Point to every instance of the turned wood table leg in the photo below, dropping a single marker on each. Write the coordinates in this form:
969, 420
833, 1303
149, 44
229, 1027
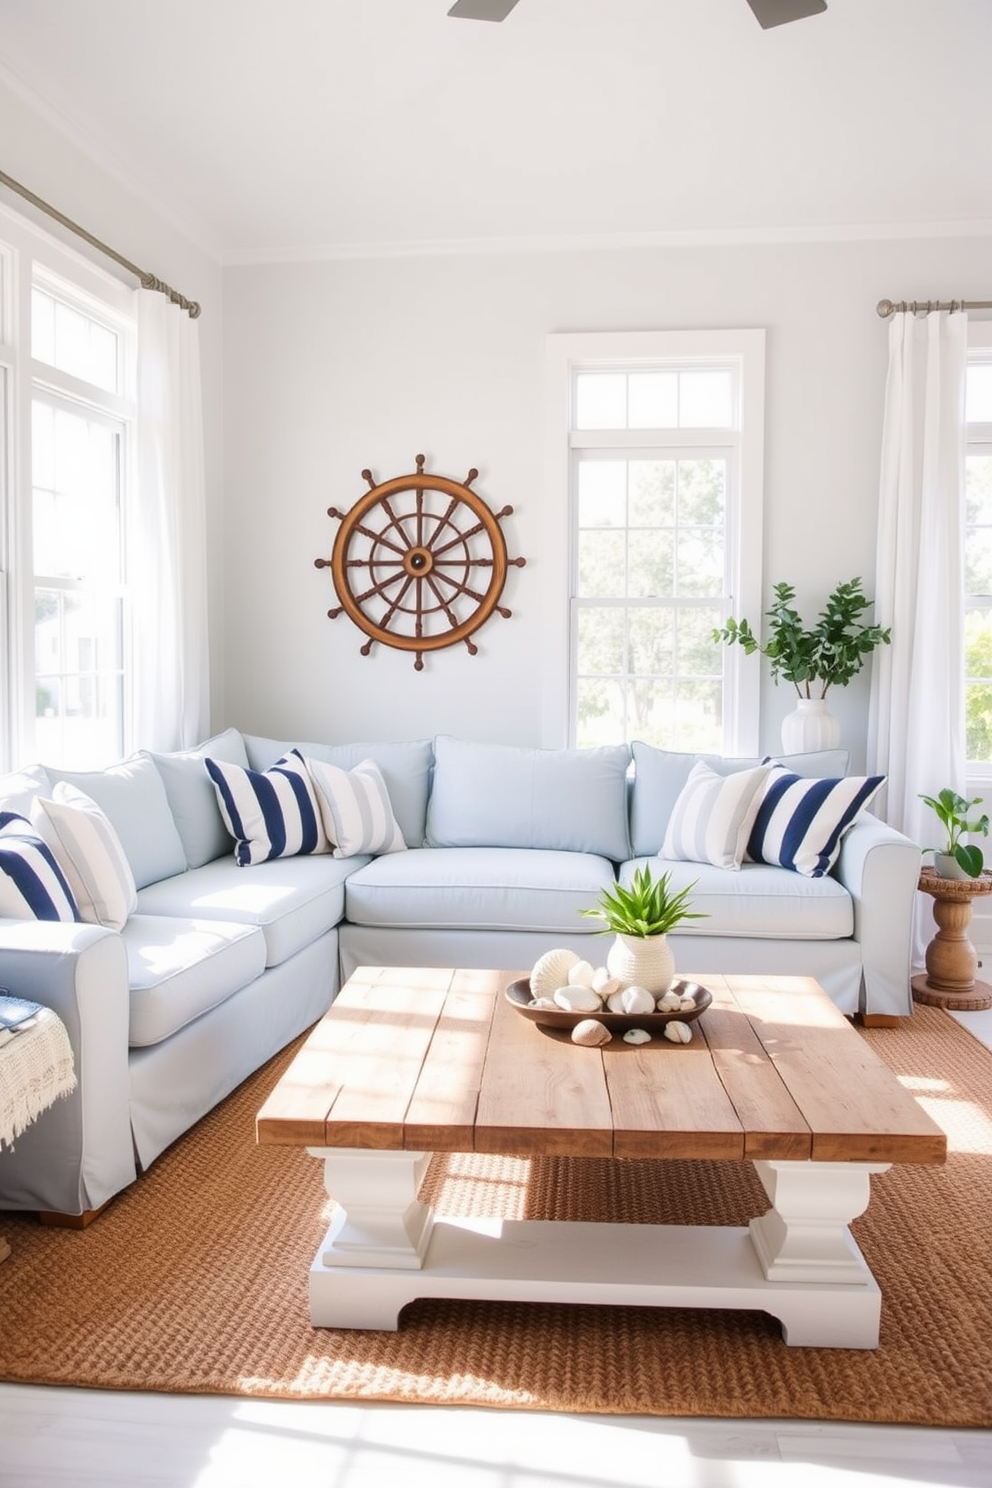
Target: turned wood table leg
951, 959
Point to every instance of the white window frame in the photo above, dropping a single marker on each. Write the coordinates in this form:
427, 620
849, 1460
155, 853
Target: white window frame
32, 256
570, 352
978, 437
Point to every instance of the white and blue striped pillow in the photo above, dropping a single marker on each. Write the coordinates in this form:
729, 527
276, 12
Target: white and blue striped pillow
358, 815
90, 853
712, 817
270, 813
32, 885
801, 823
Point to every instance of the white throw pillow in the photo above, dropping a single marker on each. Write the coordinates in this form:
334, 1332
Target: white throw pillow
269, 813
355, 806
713, 815
32, 885
801, 823
90, 854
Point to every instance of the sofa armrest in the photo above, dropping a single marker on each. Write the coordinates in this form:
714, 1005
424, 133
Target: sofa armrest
880, 868
79, 1152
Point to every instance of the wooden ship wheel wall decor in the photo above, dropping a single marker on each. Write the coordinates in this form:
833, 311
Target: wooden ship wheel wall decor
419, 562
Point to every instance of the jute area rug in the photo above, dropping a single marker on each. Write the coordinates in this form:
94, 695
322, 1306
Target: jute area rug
195, 1280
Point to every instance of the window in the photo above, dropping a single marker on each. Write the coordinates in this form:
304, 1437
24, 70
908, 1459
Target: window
67, 356
978, 552
662, 465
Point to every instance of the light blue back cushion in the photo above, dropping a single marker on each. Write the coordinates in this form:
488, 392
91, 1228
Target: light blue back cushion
133, 796
405, 765
21, 787
660, 774
192, 797
499, 795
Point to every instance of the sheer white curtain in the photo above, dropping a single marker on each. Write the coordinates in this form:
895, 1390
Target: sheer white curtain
916, 718
168, 552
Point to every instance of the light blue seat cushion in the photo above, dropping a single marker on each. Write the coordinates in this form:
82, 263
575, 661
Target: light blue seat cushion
501, 795
758, 902
405, 766
192, 797
132, 795
178, 969
660, 774
479, 888
293, 901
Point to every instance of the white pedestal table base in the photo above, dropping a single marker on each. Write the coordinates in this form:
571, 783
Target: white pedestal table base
798, 1262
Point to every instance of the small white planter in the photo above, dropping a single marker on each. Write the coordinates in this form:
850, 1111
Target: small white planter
810, 725
642, 961
946, 865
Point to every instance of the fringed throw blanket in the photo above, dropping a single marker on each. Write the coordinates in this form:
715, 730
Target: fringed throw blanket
36, 1067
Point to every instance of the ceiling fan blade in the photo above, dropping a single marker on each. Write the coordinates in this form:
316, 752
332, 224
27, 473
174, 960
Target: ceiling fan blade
778, 12
482, 10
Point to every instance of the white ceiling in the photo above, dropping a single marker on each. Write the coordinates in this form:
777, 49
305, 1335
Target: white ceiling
277, 129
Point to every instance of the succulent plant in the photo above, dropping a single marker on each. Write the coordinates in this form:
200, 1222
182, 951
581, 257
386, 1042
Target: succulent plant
648, 907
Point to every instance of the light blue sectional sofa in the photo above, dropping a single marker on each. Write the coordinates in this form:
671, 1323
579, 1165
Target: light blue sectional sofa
219, 966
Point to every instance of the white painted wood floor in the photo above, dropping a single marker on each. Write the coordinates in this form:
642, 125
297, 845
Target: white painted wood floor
71, 1438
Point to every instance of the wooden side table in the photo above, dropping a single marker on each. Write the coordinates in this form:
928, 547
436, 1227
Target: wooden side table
951, 961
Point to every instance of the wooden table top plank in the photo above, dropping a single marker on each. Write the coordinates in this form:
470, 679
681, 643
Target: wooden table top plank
442, 1111
668, 1102
385, 1060
773, 1125
854, 1105
297, 1109
540, 1094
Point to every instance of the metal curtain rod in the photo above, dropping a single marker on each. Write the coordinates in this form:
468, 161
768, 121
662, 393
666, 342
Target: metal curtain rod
148, 281
885, 308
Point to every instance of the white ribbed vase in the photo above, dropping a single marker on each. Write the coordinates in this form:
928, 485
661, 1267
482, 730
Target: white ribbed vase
810, 726
642, 961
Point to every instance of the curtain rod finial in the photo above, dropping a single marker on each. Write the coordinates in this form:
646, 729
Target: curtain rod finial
885, 308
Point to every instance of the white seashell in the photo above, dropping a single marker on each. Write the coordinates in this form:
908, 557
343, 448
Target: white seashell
545, 1002
591, 1033
679, 1033
631, 1000
637, 1036
686, 1004
669, 1002
551, 971
603, 983
578, 999
580, 975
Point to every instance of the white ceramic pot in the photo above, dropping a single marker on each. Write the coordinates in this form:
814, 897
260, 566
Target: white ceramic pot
946, 865
810, 725
642, 961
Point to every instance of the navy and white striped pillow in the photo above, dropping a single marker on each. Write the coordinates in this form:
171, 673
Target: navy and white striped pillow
801, 823
32, 885
270, 813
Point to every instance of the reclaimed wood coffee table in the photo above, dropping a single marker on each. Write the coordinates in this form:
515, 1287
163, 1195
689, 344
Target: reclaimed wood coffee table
408, 1062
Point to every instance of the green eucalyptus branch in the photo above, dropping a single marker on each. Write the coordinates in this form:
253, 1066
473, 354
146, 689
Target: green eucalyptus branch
828, 654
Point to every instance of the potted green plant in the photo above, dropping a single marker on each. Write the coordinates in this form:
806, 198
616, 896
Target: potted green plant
640, 918
813, 658
957, 859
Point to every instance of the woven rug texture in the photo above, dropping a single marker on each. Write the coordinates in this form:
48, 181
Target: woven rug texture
195, 1280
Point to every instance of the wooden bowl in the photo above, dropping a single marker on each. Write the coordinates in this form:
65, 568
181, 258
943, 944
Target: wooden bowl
519, 995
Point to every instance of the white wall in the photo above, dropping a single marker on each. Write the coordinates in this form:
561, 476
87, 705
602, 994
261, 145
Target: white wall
39, 156
336, 366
